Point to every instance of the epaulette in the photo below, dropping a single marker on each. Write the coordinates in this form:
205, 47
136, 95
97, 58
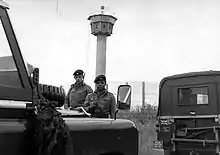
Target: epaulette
86, 85
111, 94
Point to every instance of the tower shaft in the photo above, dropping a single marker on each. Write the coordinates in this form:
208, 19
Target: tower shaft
101, 55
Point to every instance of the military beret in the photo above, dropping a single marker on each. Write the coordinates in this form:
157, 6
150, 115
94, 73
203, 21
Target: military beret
78, 72
100, 78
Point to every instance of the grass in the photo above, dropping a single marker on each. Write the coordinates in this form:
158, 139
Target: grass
144, 119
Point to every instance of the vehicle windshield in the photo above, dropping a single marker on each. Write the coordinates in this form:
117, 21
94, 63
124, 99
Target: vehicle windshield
8, 71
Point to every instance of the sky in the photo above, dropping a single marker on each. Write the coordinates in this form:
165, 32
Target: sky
151, 38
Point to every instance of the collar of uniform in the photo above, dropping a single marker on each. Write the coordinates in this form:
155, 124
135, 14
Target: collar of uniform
78, 85
100, 93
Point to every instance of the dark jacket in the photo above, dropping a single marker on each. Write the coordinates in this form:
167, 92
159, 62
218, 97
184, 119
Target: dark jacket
100, 104
77, 94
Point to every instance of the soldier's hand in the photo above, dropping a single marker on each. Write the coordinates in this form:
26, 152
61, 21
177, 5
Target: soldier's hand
66, 106
92, 104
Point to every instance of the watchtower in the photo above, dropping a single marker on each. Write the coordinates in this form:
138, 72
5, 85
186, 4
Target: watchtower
101, 26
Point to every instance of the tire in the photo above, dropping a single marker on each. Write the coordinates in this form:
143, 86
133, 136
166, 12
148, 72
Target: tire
53, 93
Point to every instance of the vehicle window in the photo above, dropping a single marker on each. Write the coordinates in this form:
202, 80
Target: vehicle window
8, 70
193, 96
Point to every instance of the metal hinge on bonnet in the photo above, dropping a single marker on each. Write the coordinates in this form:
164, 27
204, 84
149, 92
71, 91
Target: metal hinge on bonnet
217, 119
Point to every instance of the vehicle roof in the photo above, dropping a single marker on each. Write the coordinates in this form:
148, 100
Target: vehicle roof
8, 62
189, 74
4, 4
185, 75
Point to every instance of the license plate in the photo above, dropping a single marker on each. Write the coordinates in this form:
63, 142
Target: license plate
157, 145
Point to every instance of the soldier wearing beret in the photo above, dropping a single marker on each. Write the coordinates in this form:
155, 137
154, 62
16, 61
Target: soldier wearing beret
78, 91
101, 103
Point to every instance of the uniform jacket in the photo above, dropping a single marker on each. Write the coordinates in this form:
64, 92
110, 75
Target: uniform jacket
77, 94
100, 105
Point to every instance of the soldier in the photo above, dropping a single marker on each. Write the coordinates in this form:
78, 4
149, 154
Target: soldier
186, 96
78, 91
101, 103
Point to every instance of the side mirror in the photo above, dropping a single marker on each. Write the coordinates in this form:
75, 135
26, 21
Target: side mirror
124, 97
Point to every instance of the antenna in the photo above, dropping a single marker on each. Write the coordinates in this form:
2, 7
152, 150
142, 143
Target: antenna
87, 49
102, 9
57, 8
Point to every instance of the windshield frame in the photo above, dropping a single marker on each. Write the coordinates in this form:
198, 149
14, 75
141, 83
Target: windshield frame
10, 93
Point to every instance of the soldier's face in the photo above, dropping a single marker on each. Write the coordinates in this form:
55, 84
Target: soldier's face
78, 78
100, 85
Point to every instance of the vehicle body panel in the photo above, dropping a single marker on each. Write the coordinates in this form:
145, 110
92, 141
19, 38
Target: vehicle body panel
90, 136
187, 127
